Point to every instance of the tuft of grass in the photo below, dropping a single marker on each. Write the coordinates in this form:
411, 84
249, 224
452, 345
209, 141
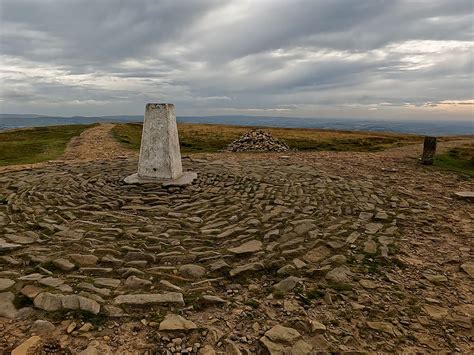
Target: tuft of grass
315, 293
341, 287
196, 138
278, 294
252, 303
459, 159
34, 145
96, 320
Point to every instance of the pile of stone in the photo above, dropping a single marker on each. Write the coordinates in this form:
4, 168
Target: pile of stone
257, 140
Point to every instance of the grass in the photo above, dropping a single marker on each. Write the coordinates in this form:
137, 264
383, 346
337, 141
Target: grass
212, 138
459, 159
96, 320
341, 286
34, 145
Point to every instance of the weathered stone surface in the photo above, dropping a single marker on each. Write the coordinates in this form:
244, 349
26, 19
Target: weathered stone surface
317, 327
207, 350
382, 327
339, 274
19, 239
63, 264
113, 311
7, 309
370, 247
251, 246
88, 305
318, 254
465, 194
84, 260
368, 284
107, 282
303, 228
5, 284
136, 282
70, 302
209, 299
435, 278
435, 312
282, 340
219, 265
281, 334
246, 268
31, 277
51, 281
176, 322
468, 268
287, 284
42, 327
31, 291
27, 346
170, 286
48, 301
5, 246
90, 350
151, 298
192, 271
373, 228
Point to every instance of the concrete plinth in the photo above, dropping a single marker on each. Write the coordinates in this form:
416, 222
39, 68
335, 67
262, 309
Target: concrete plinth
186, 178
160, 157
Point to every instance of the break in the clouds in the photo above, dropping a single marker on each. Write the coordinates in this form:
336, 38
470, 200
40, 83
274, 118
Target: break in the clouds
312, 58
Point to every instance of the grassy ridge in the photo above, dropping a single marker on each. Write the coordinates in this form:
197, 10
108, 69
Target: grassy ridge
212, 138
459, 159
33, 145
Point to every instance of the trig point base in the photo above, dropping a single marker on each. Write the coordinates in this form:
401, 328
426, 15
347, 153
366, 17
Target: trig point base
160, 157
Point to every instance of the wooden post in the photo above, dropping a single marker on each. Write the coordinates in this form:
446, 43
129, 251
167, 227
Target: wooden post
429, 150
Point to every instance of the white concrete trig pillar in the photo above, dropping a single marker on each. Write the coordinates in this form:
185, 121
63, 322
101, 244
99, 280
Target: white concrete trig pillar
160, 156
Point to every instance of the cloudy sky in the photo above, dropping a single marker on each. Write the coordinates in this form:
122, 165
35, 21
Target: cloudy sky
308, 58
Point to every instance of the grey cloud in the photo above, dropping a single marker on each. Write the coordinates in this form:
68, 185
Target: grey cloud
216, 54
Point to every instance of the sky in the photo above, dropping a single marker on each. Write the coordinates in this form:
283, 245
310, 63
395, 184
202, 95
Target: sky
383, 59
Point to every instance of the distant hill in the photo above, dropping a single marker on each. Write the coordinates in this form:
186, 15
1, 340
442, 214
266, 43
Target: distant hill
8, 121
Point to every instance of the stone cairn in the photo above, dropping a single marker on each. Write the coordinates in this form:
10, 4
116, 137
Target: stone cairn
257, 140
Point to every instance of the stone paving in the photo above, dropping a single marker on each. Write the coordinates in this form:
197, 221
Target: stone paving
264, 253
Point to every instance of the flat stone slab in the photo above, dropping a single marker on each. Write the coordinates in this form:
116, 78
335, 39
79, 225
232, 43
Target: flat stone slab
249, 247
150, 298
6, 283
186, 178
7, 309
465, 194
5, 246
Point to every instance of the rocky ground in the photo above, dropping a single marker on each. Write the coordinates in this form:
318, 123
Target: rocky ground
264, 253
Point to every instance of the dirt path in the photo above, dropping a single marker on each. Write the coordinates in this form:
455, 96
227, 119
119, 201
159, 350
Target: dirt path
96, 143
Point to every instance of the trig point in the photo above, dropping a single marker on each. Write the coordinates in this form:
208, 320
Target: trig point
160, 157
